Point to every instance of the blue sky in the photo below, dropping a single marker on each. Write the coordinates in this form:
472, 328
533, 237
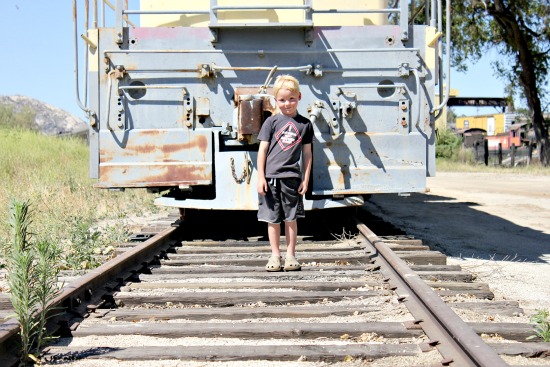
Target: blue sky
37, 47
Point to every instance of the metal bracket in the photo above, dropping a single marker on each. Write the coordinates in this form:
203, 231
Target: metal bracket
348, 104
205, 71
308, 35
318, 111
315, 70
404, 70
404, 115
215, 35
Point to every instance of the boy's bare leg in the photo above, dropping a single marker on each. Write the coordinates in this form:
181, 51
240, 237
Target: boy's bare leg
274, 234
291, 233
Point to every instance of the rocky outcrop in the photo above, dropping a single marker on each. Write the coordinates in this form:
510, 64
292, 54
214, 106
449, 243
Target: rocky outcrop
49, 120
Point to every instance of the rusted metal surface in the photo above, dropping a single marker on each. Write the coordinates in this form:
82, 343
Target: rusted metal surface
150, 158
250, 116
253, 108
155, 175
456, 341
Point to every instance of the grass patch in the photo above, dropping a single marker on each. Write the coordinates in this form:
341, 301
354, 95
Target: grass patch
52, 175
452, 165
541, 321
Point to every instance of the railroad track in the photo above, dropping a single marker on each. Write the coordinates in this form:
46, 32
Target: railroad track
204, 295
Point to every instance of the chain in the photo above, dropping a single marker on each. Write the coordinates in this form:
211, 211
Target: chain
247, 170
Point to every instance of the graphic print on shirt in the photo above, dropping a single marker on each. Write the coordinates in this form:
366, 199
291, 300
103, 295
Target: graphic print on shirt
288, 136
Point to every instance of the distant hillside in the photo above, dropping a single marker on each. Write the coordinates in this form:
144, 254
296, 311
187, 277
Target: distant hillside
49, 120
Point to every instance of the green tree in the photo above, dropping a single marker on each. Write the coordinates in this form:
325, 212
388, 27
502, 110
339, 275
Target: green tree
451, 116
520, 31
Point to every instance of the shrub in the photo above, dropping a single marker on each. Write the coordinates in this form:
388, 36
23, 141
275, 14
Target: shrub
32, 278
447, 145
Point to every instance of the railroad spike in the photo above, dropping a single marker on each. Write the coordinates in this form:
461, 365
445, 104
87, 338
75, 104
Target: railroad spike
425, 347
412, 325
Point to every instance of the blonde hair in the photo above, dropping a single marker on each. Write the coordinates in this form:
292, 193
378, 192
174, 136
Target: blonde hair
287, 82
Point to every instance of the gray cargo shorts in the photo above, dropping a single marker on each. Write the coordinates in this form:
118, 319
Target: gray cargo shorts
282, 201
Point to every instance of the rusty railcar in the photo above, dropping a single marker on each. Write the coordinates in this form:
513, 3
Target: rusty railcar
176, 92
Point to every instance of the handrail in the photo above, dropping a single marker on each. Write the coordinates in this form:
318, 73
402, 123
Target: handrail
108, 99
214, 8
402, 10
91, 114
166, 12
444, 101
418, 92
121, 13
329, 50
356, 11
106, 2
260, 7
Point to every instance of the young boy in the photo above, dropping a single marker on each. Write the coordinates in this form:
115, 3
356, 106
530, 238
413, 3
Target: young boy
284, 138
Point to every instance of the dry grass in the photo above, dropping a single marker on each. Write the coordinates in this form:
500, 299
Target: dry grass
52, 173
444, 165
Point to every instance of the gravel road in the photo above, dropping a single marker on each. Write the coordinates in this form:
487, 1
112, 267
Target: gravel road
495, 225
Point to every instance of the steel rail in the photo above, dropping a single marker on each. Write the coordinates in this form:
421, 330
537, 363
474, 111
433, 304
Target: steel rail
83, 290
454, 339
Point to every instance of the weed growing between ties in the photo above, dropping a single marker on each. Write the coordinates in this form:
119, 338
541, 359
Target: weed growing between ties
541, 321
32, 279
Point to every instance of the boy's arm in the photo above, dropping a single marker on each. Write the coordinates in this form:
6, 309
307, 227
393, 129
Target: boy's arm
262, 154
306, 160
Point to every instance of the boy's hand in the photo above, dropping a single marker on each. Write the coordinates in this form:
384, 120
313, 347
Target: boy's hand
262, 186
302, 188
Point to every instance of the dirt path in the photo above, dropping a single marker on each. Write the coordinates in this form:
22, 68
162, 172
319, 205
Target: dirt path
495, 225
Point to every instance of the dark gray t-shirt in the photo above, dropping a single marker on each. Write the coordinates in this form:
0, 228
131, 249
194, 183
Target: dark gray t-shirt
285, 135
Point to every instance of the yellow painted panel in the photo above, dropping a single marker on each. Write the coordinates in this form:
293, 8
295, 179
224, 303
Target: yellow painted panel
353, 19
430, 50
93, 54
260, 16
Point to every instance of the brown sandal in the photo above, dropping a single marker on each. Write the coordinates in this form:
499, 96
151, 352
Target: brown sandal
274, 263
